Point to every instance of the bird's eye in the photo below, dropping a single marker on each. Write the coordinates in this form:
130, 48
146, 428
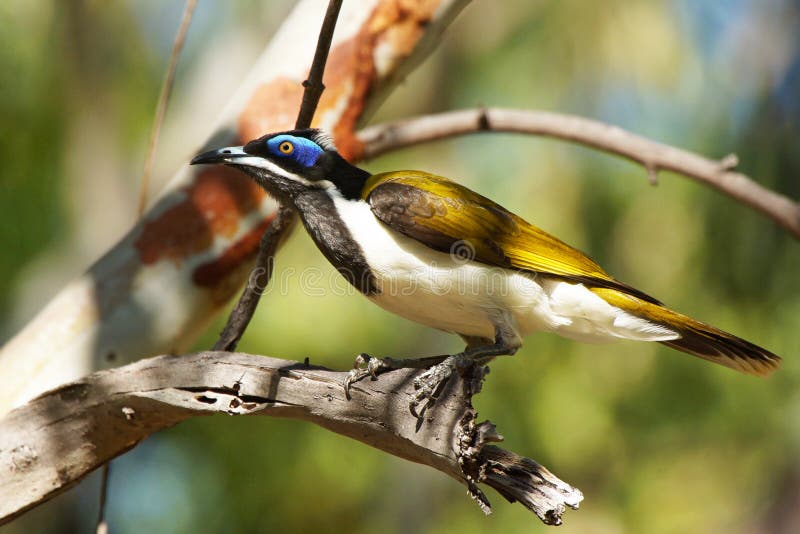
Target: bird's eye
286, 148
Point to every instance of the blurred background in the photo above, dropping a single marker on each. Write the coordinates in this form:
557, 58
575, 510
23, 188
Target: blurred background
656, 440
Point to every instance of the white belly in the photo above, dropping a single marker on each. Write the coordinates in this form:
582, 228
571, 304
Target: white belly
463, 297
466, 297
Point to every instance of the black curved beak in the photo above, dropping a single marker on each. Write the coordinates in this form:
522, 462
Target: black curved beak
221, 155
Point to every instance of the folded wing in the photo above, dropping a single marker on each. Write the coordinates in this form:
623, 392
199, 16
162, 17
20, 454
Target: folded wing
449, 217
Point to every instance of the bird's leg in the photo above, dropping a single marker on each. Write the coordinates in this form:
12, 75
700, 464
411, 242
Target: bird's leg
478, 352
474, 342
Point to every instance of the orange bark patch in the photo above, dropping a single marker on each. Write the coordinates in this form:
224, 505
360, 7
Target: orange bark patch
215, 201
272, 108
221, 272
351, 71
349, 75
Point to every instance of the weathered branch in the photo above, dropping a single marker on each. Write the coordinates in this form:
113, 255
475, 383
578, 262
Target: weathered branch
53, 441
654, 156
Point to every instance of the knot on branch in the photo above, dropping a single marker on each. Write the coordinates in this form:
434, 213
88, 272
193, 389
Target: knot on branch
483, 120
652, 172
729, 162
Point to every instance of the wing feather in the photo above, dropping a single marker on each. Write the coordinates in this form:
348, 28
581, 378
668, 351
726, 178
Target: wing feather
443, 214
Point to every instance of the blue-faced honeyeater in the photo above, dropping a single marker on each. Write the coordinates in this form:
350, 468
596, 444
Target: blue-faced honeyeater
435, 252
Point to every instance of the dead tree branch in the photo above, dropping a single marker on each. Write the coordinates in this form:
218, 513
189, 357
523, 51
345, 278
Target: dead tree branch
53, 441
654, 156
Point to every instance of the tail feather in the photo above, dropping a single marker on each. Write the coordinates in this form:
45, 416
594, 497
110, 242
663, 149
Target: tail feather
723, 348
696, 338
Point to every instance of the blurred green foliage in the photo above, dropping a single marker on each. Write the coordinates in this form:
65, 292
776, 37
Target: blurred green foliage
658, 442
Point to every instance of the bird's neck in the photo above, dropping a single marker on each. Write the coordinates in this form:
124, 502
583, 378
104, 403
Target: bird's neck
321, 216
348, 178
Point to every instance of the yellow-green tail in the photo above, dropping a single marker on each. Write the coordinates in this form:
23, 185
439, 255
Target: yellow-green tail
698, 338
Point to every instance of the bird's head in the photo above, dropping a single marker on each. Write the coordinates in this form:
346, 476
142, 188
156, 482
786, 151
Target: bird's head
287, 164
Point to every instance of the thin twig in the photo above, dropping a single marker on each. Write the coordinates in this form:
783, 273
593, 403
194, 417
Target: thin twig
102, 524
163, 99
285, 219
654, 156
278, 231
313, 84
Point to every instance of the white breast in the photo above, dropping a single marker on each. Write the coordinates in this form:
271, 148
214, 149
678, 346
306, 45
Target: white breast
466, 297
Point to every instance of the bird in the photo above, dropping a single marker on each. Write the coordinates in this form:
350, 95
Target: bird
437, 253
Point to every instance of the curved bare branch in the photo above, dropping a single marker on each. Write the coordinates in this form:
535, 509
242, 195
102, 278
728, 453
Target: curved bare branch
53, 441
654, 156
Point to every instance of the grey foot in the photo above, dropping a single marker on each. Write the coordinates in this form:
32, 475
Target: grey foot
438, 369
429, 383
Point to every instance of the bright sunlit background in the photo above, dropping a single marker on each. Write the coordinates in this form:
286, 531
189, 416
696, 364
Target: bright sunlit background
657, 441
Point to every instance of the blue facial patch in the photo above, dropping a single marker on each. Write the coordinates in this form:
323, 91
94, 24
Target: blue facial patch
304, 151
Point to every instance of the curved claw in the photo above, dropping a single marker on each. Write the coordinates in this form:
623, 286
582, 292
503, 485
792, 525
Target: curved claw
363, 366
355, 374
415, 403
352, 377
